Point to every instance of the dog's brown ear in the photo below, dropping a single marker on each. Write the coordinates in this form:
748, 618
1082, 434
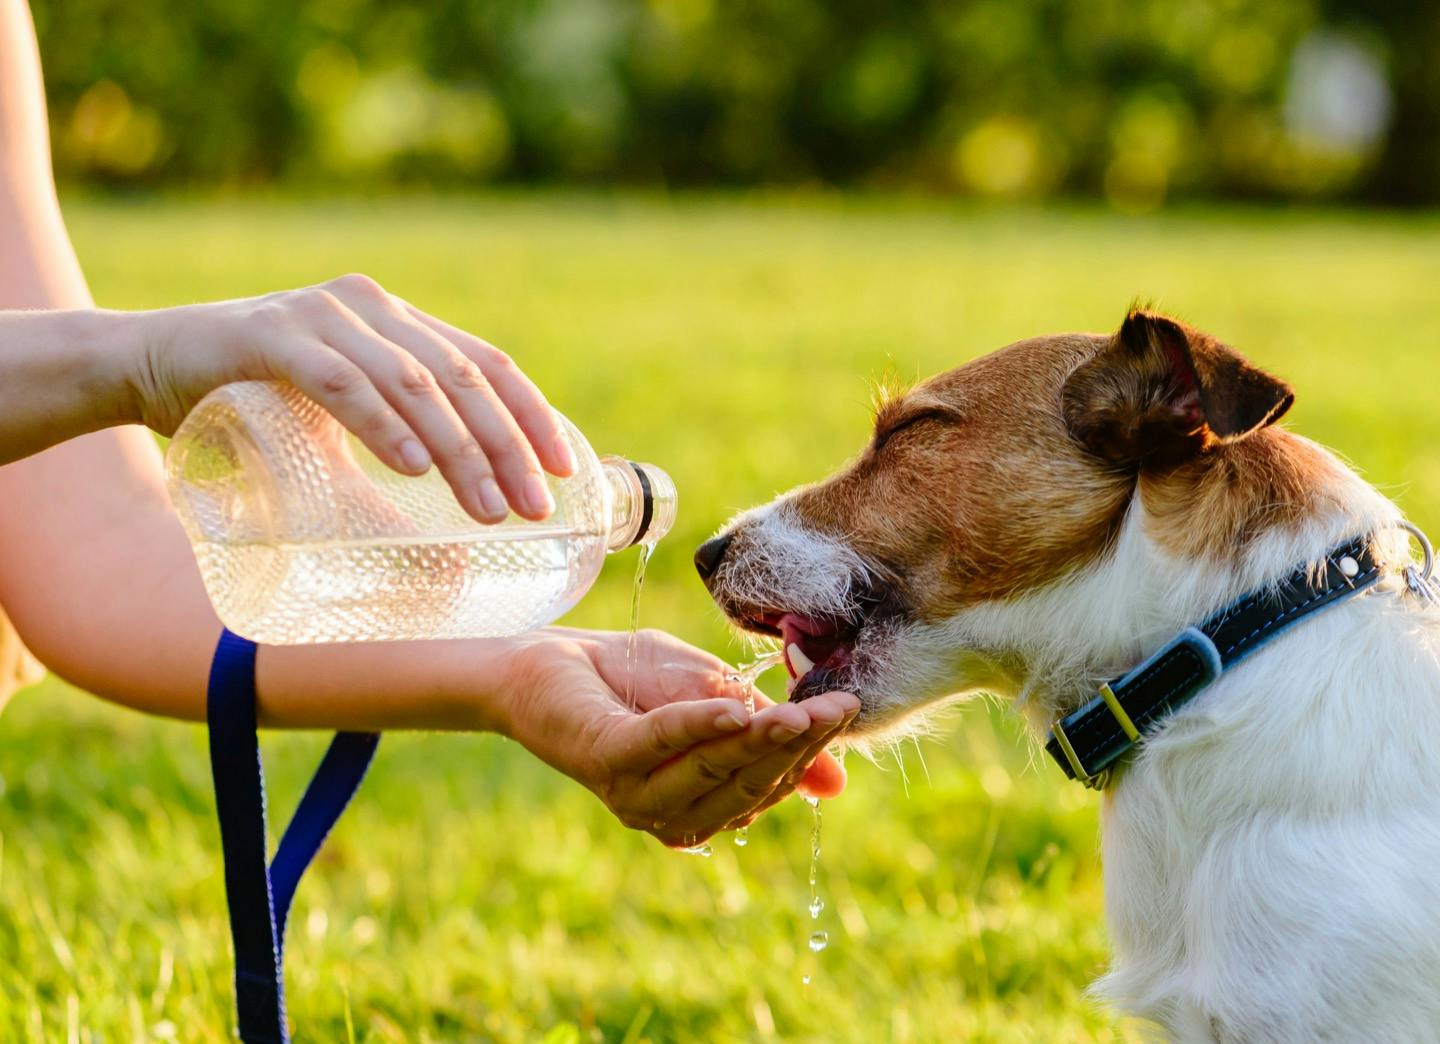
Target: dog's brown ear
1161, 391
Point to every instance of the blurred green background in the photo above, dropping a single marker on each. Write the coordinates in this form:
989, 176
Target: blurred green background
1134, 100
705, 230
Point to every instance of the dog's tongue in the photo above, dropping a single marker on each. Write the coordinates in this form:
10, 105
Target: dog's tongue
816, 638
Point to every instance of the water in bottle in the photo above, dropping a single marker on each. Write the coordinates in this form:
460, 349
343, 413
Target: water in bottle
304, 536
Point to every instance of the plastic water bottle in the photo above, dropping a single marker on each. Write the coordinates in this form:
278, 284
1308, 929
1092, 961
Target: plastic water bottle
303, 535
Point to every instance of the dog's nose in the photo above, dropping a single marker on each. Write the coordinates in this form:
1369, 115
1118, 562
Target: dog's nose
708, 555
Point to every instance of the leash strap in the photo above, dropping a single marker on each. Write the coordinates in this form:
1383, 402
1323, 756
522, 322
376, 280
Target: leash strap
259, 895
1088, 742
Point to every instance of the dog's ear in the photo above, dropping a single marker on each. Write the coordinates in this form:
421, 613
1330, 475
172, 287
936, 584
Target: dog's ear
1160, 392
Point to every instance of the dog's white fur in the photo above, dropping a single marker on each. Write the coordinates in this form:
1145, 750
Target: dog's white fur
1272, 854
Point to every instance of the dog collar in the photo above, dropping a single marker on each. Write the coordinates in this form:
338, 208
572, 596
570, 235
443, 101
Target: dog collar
1087, 743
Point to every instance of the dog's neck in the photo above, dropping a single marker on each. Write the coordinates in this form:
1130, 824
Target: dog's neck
1193, 540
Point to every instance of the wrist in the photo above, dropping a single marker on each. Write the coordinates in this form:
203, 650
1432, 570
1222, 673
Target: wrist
473, 685
138, 340
96, 347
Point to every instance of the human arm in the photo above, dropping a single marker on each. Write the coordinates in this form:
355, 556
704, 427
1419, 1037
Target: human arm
413, 388
385, 369
98, 577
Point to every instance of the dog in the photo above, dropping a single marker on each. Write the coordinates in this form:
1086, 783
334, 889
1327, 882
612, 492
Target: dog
1043, 519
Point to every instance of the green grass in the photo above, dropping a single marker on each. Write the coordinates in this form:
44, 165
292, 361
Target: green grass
473, 894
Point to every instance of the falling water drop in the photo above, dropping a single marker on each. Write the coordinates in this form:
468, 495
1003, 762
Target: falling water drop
703, 851
818, 939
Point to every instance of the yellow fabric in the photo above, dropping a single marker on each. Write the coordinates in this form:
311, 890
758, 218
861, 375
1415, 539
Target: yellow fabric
17, 667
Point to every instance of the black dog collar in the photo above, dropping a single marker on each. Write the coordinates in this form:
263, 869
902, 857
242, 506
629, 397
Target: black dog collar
1088, 742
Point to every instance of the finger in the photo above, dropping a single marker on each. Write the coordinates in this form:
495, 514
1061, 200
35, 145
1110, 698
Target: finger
825, 778
525, 402
674, 787
769, 779
660, 735
748, 793
345, 391
411, 392
446, 374
818, 763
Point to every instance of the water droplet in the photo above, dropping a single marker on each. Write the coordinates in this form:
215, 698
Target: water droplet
806, 980
817, 906
704, 851
742, 837
818, 941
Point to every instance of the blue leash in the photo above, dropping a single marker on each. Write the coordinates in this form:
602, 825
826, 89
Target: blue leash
259, 895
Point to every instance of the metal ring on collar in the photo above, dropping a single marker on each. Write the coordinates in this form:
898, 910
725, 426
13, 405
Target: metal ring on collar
1425, 547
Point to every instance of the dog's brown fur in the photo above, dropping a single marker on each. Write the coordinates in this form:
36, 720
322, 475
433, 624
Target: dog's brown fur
1014, 469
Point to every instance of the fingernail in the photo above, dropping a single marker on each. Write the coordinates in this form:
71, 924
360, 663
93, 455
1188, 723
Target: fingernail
564, 454
415, 456
782, 731
729, 722
537, 496
491, 499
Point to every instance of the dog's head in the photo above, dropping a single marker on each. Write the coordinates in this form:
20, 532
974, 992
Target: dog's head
978, 486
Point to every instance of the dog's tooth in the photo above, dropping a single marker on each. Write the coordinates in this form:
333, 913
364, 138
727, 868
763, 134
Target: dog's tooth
798, 660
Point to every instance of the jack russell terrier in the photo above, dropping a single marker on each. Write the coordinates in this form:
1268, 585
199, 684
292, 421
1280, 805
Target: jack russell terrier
1210, 619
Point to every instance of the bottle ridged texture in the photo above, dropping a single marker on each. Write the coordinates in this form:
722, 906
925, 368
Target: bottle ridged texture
302, 536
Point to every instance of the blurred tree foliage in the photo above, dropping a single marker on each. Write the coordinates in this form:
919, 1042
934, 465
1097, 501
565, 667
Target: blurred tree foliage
1137, 100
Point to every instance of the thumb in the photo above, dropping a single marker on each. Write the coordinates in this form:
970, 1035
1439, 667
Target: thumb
659, 735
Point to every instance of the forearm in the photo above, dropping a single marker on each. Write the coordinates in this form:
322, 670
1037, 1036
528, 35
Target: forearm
98, 577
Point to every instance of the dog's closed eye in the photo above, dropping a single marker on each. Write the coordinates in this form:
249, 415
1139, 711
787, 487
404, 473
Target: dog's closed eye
887, 427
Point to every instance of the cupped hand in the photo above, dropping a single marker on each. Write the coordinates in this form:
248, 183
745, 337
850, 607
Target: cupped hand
689, 760
412, 388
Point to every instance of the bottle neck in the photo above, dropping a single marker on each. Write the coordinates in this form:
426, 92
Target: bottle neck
642, 502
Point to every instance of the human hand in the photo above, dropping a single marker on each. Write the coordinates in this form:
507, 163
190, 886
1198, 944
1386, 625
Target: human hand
414, 389
689, 760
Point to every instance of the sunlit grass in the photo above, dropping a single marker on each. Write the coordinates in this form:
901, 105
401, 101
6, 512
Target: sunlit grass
473, 894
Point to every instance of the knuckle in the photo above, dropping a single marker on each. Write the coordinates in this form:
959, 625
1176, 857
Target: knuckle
753, 789
663, 740
465, 374
501, 361
708, 770
359, 284
416, 380
339, 376
468, 453
317, 301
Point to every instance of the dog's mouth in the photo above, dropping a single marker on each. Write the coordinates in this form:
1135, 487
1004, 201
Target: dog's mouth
820, 651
